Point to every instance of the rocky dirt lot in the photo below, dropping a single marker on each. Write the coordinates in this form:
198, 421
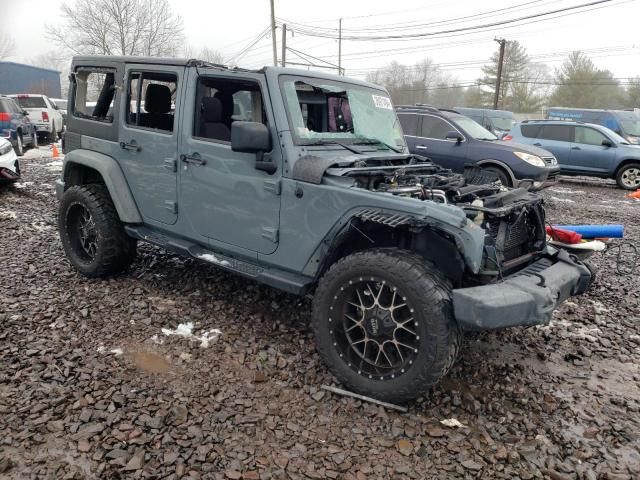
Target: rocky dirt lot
91, 386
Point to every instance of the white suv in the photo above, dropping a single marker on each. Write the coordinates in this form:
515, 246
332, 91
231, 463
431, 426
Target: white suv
44, 114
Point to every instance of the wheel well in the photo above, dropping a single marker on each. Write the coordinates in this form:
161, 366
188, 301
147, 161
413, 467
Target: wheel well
76, 174
498, 166
623, 164
364, 235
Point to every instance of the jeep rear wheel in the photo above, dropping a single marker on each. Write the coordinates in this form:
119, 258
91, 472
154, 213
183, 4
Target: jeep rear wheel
383, 322
92, 235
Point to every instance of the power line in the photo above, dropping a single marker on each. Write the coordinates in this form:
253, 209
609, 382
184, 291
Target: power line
454, 30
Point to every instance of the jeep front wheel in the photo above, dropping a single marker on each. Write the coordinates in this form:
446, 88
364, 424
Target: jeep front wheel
383, 322
92, 235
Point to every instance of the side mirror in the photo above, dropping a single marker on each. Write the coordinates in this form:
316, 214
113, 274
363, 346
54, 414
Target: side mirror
607, 143
453, 135
24, 112
253, 137
56, 107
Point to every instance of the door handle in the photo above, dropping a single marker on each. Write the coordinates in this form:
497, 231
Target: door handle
576, 148
420, 147
132, 145
537, 144
193, 159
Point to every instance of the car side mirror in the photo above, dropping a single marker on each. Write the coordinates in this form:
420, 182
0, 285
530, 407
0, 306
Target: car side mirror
56, 107
607, 143
24, 112
253, 137
453, 135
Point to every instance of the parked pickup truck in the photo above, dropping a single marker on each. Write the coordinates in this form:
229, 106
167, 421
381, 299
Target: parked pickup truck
308, 188
43, 113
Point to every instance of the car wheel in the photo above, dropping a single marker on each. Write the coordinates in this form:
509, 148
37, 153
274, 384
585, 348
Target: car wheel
19, 148
383, 323
53, 136
92, 235
628, 176
503, 178
34, 140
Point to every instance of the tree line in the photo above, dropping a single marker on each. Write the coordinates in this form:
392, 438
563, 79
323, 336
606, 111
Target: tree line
526, 86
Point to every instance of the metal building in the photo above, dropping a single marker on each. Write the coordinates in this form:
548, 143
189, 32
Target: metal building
20, 78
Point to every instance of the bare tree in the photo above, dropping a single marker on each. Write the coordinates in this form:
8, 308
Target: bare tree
6, 46
119, 27
205, 53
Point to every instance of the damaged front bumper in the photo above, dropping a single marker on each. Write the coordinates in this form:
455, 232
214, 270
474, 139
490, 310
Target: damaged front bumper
528, 297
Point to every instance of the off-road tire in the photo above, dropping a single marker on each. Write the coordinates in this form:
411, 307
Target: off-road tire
19, 149
620, 174
425, 288
501, 174
114, 249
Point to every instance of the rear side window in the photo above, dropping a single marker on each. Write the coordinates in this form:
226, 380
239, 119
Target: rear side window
5, 106
531, 131
433, 127
31, 102
409, 123
560, 133
152, 100
94, 94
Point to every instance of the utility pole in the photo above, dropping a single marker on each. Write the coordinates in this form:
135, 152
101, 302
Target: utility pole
273, 34
284, 45
340, 47
502, 42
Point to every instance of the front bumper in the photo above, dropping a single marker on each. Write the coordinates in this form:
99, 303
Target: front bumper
525, 298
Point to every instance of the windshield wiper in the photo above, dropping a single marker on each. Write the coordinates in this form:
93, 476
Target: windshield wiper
334, 142
371, 141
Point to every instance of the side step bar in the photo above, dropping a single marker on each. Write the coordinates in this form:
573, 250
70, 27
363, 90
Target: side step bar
280, 279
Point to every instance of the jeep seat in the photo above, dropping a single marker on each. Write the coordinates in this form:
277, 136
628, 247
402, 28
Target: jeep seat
157, 103
226, 99
211, 125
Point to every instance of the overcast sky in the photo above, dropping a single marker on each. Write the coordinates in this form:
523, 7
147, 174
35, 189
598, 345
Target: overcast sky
609, 35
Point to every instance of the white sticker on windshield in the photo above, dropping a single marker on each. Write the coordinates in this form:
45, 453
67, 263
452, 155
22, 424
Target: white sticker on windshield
382, 102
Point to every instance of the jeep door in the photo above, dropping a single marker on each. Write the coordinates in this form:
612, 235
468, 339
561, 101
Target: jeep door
588, 154
447, 153
149, 138
222, 195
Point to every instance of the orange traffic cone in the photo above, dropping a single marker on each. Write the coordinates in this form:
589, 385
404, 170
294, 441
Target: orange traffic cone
635, 194
54, 151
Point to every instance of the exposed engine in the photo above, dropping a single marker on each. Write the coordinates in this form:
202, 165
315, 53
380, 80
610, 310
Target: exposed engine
512, 218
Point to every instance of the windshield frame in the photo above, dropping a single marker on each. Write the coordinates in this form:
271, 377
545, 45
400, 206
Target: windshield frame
350, 140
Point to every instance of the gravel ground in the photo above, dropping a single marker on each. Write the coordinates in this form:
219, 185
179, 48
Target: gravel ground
91, 386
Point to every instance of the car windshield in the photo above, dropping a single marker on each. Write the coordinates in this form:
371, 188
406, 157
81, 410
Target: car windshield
62, 104
474, 129
614, 136
326, 111
31, 102
631, 127
502, 123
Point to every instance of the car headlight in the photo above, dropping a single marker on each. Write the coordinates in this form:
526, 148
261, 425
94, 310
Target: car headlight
530, 159
5, 148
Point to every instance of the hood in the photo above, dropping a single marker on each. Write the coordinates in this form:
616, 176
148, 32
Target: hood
509, 146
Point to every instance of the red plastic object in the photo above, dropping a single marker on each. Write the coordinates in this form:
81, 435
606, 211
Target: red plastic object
564, 236
506, 138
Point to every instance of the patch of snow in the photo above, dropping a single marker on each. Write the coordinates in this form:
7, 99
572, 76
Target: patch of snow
566, 191
209, 337
156, 339
116, 351
451, 423
562, 200
101, 349
54, 166
186, 330
22, 184
8, 215
185, 356
209, 257
183, 330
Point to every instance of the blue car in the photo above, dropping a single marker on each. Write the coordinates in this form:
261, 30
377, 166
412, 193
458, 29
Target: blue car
583, 149
625, 123
455, 141
16, 126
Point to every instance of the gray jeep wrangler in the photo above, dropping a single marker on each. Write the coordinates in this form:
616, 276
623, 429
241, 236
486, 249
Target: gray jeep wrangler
303, 181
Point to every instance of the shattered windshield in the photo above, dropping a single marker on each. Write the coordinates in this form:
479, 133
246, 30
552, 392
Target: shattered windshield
326, 111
